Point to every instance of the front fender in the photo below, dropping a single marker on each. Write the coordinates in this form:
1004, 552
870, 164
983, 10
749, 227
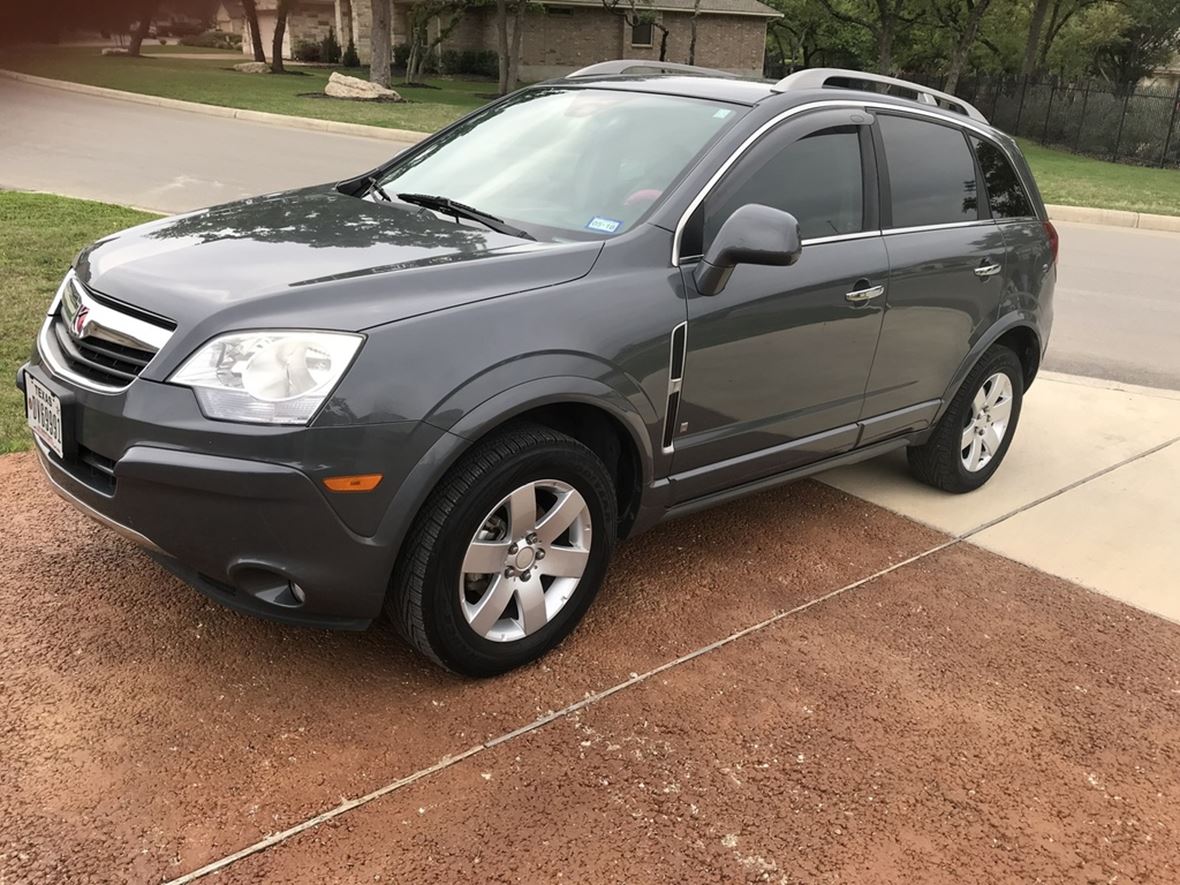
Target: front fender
633, 411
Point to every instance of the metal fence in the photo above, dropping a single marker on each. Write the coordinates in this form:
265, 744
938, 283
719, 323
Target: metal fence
1125, 124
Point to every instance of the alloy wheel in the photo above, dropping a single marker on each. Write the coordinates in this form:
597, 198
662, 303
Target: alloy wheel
526, 561
987, 422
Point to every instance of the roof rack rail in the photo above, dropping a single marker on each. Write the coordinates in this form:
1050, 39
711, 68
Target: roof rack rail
818, 78
623, 65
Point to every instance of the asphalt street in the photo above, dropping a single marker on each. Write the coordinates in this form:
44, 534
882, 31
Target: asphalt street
158, 158
1118, 297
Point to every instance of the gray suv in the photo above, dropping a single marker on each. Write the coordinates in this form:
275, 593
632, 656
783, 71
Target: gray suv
445, 389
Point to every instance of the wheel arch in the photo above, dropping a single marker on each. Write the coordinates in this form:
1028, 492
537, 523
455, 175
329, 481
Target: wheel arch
1018, 331
590, 411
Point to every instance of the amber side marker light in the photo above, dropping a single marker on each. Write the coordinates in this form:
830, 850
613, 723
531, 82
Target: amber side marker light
364, 482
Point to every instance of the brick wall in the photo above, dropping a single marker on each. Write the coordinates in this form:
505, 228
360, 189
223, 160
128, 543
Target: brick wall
556, 43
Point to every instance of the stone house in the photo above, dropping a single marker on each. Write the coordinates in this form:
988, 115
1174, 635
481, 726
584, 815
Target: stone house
562, 36
229, 18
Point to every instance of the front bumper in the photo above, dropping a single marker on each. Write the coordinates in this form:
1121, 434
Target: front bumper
253, 533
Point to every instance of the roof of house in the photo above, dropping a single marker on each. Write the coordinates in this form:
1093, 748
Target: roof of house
709, 7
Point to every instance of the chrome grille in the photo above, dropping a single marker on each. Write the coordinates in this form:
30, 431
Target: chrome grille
98, 343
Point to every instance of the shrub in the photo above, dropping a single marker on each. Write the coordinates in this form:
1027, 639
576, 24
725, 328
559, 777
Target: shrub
350, 59
213, 40
330, 48
306, 50
480, 62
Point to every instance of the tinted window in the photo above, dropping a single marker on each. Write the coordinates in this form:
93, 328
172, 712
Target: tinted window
1005, 194
817, 179
931, 173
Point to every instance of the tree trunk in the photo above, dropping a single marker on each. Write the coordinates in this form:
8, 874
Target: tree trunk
147, 12
692, 32
885, 48
251, 12
963, 47
502, 43
1036, 23
381, 52
663, 43
517, 39
281, 12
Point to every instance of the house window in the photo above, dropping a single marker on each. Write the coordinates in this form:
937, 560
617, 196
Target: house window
641, 34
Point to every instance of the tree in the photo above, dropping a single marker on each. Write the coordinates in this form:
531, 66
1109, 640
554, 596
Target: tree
1035, 25
692, 33
880, 18
631, 14
962, 20
418, 17
147, 11
381, 53
282, 10
250, 9
509, 49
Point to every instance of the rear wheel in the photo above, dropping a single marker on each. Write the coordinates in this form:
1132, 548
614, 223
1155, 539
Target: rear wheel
971, 440
507, 554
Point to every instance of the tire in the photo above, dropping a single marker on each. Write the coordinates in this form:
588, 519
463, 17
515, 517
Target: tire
448, 613
944, 461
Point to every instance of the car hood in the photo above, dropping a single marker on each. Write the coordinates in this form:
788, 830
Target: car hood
317, 258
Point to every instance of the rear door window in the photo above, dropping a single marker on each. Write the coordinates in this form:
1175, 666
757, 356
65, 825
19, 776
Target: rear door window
932, 174
1005, 193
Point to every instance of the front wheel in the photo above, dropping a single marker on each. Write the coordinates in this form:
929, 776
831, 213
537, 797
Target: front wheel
507, 554
976, 430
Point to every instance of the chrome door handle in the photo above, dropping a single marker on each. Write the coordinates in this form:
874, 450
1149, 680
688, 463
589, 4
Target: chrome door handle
987, 270
860, 296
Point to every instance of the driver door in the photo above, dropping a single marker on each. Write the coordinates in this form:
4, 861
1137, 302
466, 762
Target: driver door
776, 364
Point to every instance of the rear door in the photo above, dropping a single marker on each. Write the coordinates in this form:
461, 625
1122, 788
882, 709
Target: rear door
947, 265
1029, 274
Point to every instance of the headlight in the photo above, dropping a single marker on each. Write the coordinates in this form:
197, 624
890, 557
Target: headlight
267, 377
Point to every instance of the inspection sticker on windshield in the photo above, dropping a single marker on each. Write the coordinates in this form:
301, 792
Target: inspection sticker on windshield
606, 225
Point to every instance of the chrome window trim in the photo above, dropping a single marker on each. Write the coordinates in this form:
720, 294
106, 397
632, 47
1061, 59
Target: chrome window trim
949, 225
108, 319
966, 123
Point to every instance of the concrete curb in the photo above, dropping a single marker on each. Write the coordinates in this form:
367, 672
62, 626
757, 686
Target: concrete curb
1115, 218
355, 129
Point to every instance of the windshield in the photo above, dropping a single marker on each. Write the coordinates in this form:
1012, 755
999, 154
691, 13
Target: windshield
580, 162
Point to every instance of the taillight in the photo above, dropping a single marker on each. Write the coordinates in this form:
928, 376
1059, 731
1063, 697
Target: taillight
1054, 239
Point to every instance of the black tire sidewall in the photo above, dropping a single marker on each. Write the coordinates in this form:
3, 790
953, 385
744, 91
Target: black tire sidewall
1000, 360
457, 645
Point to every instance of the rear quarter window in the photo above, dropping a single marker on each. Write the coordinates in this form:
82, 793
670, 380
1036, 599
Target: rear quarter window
1005, 193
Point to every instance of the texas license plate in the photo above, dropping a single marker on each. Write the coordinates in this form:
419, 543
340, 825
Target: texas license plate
43, 410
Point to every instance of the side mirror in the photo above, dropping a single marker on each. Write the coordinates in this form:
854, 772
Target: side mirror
753, 234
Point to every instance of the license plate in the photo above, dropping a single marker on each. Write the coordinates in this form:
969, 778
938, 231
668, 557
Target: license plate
43, 410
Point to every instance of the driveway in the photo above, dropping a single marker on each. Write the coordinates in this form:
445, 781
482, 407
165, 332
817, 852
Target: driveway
830, 692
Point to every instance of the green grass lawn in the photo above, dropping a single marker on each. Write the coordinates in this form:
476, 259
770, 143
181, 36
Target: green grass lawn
39, 237
213, 81
1069, 180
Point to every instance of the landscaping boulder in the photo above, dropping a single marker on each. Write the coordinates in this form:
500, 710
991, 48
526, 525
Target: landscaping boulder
112, 50
340, 86
253, 67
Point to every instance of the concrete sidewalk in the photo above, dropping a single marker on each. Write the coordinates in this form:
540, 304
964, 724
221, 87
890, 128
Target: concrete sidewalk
1090, 490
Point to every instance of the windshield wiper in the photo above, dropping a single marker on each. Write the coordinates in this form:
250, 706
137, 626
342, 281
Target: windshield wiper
376, 188
459, 210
